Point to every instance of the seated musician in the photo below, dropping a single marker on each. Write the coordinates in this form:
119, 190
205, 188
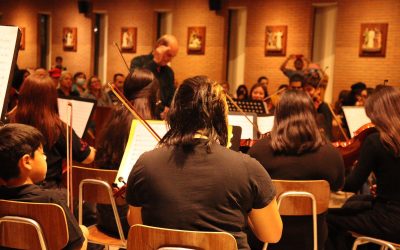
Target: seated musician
24, 164
141, 89
296, 150
373, 215
193, 182
259, 92
37, 107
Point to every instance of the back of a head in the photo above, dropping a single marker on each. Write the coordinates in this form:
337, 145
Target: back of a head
167, 40
383, 108
38, 106
295, 129
141, 89
38, 92
199, 106
16, 140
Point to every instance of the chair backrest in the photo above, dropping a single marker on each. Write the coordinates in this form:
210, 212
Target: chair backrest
302, 205
17, 234
92, 193
145, 237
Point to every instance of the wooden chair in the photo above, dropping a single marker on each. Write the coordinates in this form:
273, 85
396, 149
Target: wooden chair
26, 225
93, 185
385, 245
299, 198
143, 237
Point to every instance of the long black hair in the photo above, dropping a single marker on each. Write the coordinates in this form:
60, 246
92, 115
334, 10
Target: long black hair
198, 107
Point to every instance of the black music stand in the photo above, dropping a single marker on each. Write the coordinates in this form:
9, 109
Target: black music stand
247, 106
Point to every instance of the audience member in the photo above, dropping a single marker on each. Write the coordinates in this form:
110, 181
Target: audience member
65, 86
96, 92
79, 83
118, 81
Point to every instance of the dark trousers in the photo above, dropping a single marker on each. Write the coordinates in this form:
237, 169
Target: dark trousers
364, 215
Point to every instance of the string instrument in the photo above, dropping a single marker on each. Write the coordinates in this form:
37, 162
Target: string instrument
119, 191
350, 149
246, 144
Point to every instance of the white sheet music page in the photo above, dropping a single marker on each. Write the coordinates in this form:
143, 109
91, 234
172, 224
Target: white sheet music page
7, 47
355, 117
140, 141
247, 127
81, 111
265, 123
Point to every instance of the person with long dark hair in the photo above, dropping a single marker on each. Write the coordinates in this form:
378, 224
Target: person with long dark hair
373, 215
296, 149
193, 182
141, 89
38, 107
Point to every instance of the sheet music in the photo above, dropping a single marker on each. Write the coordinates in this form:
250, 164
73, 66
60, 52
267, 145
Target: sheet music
8, 41
355, 117
265, 123
248, 130
81, 111
140, 141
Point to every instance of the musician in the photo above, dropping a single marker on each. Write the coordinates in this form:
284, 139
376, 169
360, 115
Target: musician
376, 216
259, 92
37, 107
141, 89
193, 182
165, 50
297, 150
324, 115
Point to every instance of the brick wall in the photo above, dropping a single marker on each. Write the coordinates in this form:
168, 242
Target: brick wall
297, 14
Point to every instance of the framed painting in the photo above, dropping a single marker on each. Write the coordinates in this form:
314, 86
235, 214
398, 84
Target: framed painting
275, 40
70, 39
128, 39
373, 38
196, 40
22, 43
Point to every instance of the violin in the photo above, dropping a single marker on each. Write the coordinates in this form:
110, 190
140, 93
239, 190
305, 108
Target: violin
350, 149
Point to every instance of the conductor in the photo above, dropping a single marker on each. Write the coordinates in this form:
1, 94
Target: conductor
157, 61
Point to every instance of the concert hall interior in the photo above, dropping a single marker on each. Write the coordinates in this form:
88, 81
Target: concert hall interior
296, 90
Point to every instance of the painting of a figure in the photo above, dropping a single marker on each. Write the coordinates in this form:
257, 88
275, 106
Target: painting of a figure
275, 40
373, 39
128, 39
196, 40
70, 39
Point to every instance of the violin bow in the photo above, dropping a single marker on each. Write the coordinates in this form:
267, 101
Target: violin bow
338, 122
70, 199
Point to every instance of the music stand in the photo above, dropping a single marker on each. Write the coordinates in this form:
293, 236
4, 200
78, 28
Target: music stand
247, 106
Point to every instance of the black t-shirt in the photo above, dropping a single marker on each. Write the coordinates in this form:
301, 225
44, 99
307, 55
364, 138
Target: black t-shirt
376, 158
58, 152
33, 193
196, 190
325, 163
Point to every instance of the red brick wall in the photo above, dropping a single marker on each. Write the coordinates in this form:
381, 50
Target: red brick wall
297, 14
349, 67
